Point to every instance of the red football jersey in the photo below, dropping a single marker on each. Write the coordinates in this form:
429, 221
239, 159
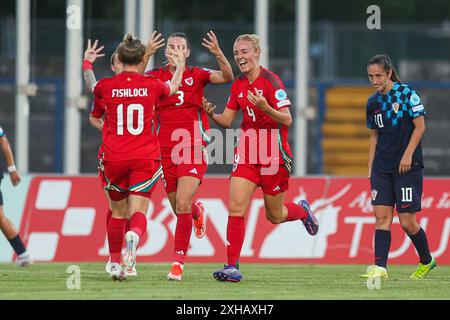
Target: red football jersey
129, 130
183, 110
97, 111
260, 133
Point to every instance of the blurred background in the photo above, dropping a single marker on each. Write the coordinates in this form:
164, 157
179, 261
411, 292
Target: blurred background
415, 33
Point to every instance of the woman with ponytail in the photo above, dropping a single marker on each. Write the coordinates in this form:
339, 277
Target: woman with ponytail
395, 117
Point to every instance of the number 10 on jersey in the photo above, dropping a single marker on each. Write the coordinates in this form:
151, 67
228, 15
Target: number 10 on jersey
132, 108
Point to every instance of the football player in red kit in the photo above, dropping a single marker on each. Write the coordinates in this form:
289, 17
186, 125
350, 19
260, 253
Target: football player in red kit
182, 126
98, 109
131, 153
262, 156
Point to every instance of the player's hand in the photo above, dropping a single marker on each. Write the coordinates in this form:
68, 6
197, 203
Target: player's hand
15, 178
405, 164
92, 52
258, 100
176, 57
212, 44
154, 43
208, 107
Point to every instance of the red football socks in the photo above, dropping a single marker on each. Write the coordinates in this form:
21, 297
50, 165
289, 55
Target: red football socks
295, 212
235, 238
108, 217
195, 211
138, 224
182, 236
116, 232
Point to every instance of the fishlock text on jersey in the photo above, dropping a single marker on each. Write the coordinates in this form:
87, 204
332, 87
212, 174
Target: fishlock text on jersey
129, 93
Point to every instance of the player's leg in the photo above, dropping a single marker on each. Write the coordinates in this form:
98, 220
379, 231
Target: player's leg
116, 233
187, 186
13, 237
143, 177
383, 199
408, 188
277, 210
241, 191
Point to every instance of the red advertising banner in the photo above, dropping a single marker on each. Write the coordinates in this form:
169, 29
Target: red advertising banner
65, 220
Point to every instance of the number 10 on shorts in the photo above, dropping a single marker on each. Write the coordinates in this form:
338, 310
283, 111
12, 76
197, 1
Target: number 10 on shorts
406, 194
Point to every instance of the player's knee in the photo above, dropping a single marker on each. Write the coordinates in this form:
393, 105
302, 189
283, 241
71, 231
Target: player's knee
237, 206
274, 219
382, 221
183, 205
410, 227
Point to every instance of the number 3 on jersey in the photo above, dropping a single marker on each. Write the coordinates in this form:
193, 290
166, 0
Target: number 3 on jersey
180, 98
132, 108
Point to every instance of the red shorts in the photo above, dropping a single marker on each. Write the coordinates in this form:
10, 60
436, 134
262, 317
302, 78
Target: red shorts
194, 165
131, 177
270, 184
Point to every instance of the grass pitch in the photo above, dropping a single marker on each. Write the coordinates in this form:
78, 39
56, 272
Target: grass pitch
286, 282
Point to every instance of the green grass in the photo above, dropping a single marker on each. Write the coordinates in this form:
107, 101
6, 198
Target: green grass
48, 281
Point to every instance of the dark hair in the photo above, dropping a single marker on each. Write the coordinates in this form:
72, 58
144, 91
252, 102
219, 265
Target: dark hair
180, 35
384, 61
130, 50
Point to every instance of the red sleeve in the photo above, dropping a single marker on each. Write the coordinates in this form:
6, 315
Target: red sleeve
232, 100
98, 88
204, 75
98, 108
276, 95
164, 89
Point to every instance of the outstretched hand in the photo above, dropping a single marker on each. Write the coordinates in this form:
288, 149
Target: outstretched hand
176, 57
212, 44
154, 43
92, 52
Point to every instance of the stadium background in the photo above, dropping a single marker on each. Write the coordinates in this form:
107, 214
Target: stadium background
414, 33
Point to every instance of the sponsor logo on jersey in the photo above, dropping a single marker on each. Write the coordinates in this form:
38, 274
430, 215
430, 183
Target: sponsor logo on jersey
241, 95
374, 194
189, 81
280, 95
276, 188
194, 171
395, 107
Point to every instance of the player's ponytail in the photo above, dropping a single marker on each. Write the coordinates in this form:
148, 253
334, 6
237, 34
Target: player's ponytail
384, 61
130, 50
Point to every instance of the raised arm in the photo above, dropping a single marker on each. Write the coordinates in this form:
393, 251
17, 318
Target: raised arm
226, 72
177, 58
223, 120
154, 43
90, 55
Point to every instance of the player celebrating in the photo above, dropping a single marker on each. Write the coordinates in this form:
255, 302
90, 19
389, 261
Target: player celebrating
131, 154
260, 94
183, 171
8, 229
95, 118
395, 117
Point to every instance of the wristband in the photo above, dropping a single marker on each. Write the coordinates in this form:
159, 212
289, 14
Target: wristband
11, 168
87, 65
